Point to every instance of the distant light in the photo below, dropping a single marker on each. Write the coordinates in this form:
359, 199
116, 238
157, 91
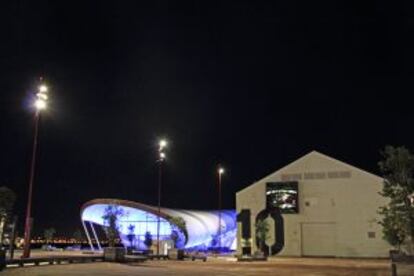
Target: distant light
43, 88
220, 170
163, 144
162, 155
40, 104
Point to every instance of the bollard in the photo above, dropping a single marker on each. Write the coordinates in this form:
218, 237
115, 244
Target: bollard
393, 269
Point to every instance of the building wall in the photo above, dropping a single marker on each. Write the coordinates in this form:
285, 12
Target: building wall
337, 209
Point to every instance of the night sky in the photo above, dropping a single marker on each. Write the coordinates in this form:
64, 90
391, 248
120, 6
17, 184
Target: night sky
250, 85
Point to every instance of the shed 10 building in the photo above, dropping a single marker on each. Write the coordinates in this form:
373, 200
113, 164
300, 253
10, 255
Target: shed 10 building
315, 206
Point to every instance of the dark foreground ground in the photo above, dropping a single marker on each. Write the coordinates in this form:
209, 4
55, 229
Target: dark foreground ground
277, 266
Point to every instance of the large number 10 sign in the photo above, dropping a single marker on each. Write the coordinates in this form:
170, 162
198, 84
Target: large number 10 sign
279, 234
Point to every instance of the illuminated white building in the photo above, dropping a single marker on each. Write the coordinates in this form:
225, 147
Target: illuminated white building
328, 208
201, 227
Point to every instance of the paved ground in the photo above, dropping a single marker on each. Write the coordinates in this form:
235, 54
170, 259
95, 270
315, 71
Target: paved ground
42, 253
225, 267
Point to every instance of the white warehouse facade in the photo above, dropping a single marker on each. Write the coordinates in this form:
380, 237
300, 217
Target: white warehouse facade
321, 207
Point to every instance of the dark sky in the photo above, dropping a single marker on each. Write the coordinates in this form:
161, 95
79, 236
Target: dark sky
253, 85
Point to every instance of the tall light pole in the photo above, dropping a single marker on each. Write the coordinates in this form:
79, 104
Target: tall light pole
161, 157
220, 172
40, 104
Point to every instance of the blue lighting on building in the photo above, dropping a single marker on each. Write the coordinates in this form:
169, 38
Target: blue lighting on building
137, 219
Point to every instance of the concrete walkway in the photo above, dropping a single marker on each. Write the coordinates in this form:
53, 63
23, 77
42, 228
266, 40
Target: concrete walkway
218, 266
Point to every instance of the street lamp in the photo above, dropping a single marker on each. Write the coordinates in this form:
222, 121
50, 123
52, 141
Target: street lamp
40, 104
220, 171
161, 157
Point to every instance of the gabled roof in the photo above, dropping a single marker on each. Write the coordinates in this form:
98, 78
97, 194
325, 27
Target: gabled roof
313, 154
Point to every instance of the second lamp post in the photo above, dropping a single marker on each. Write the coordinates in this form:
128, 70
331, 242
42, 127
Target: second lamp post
161, 157
220, 171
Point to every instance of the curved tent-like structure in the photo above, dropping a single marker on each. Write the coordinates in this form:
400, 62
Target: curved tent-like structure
136, 219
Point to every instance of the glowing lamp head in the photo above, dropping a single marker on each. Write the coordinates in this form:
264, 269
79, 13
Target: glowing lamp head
162, 144
43, 88
41, 98
162, 155
220, 171
40, 104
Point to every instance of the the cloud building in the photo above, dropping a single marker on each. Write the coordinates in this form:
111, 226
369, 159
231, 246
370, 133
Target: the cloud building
201, 227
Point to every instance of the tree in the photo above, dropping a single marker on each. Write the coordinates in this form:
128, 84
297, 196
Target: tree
7, 199
48, 234
110, 217
397, 168
148, 239
262, 232
177, 225
131, 234
394, 231
175, 236
214, 242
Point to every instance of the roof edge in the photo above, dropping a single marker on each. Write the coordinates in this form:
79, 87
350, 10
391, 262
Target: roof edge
305, 156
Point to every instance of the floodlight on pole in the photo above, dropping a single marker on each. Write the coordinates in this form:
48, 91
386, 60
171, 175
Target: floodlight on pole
162, 144
43, 88
220, 172
161, 157
40, 103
